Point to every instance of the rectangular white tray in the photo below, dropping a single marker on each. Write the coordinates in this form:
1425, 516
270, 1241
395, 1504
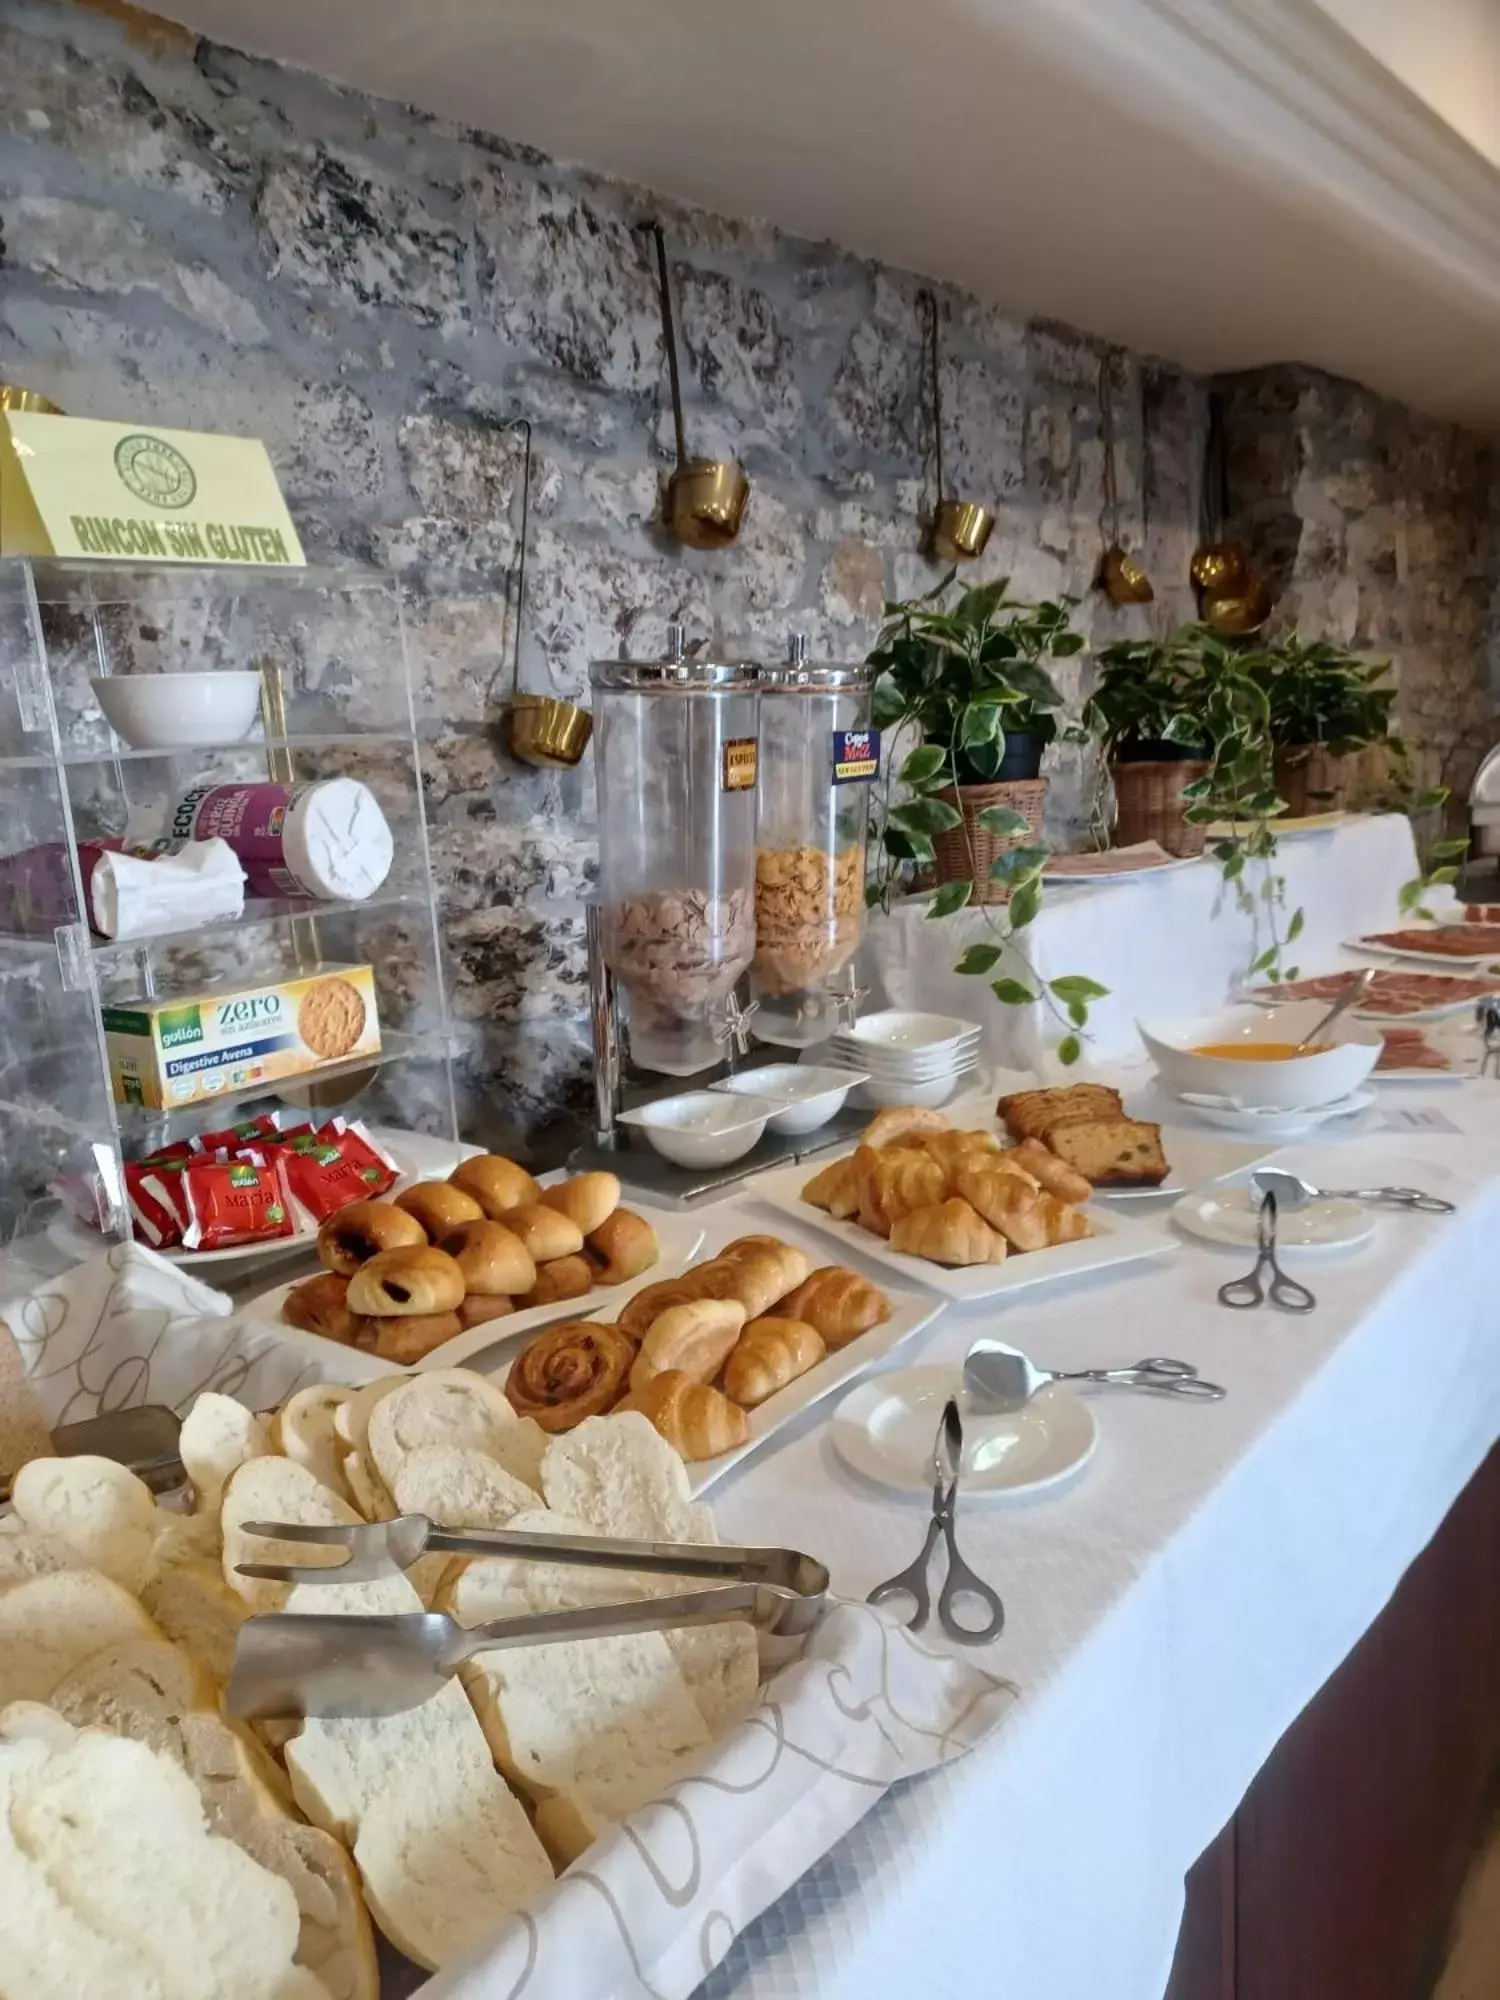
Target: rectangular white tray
910, 1312
1117, 1240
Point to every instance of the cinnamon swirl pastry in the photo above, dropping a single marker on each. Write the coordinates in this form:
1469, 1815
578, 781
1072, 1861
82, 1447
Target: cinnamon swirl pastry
575, 1370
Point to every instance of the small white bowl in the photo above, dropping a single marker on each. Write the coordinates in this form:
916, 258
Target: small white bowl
809, 1095
897, 1030
895, 1068
702, 1128
1285, 1085
179, 711
881, 1091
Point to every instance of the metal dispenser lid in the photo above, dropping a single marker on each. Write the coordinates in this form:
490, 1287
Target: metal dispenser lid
676, 673
798, 673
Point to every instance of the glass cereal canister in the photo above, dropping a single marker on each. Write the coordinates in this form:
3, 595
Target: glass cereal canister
818, 755
675, 762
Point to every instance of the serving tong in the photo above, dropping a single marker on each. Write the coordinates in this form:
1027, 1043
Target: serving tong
299, 1664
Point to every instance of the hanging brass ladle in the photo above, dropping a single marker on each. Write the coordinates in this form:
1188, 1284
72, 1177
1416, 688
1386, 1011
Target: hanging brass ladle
960, 528
544, 730
705, 497
1233, 598
1120, 576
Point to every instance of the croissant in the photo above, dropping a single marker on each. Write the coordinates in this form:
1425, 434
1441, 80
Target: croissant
570, 1372
743, 1243
953, 1149
1055, 1175
769, 1354
697, 1421
692, 1340
900, 1121
1064, 1223
622, 1247
758, 1278
834, 1189
894, 1182
638, 1312
1006, 1204
839, 1304
949, 1232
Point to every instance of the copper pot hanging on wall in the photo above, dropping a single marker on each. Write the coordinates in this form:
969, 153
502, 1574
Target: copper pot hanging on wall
960, 528
705, 497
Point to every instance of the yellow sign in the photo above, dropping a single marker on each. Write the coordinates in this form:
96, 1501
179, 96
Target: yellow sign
738, 774
70, 486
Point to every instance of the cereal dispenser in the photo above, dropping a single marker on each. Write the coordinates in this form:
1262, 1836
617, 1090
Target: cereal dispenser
818, 755
675, 750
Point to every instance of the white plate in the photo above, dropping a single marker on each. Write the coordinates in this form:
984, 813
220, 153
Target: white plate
1282, 1125
1116, 1240
1442, 959
910, 1312
886, 1427
418, 1157
678, 1235
1233, 1217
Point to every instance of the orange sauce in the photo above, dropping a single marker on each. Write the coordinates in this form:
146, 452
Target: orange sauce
1252, 1051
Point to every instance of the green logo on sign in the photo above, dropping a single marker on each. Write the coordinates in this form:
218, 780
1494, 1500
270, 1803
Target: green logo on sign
155, 471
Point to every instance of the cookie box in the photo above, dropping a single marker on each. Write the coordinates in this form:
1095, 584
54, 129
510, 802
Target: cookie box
166, 1053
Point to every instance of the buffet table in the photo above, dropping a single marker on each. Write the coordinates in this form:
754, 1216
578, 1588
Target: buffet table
1171, 1614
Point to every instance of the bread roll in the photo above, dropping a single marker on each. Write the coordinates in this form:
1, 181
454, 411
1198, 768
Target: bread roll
622, 1247
693, 1340
950, 1232
1006, 1204
587, 1199
398, 1282
839, 1303
413, 1336
835, 1190
1049, 1172
697, 1421
355, 1234
769, 1354
321, 1305
575, 1370
497, 1184
545, 1232
903, 1121
439, 1207
479, 1308
561, 1278
491, 1257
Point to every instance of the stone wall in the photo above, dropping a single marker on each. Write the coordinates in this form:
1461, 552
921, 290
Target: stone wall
198, 238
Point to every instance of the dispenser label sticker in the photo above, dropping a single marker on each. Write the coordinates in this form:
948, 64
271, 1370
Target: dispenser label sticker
738, 773
856, 756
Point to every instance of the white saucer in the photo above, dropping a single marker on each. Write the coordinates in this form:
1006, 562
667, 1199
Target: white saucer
1277, 1124
1232, 1215
886, 1428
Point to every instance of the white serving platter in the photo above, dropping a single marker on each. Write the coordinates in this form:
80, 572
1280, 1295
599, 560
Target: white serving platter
884, 1430
1117, 1240
678, 1235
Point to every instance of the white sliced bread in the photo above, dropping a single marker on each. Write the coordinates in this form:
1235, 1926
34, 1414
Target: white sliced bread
141, 1688
184, 1538
623, 1479
218, 1436
520, 1449
448, 1406
444, 1849
609, 1722
365, 1489
198, 1611
119, 1831
351, 1420
39, 1719
305, 1432
25, 1553
273, 1489
95, 1505
459, 1487
50, 1623
49, 1951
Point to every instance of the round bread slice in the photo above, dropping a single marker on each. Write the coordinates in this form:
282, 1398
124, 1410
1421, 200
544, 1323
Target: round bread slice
142, 1688
50, 1623
459, 1487
273, 1489
306, 1431
446, 1406
218, 1436
198, 1611
25, 1553
352, 1419
95, 1505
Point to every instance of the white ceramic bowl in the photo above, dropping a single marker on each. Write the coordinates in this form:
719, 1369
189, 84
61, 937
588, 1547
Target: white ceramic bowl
898, 1031
179, 711
895, 1068
879, 1091
1285, 1085
809, 1095
702, 1128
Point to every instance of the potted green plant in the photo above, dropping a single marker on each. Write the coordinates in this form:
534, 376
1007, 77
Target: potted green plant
970, 674
1327, 709
1184, 722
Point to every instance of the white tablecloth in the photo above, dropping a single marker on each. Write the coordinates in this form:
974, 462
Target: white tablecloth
1172, 1612
1168, 945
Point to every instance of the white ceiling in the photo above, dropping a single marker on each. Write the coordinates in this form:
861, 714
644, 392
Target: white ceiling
1227, 182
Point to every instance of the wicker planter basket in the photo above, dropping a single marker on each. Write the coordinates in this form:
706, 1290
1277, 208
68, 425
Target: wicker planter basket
970, 850
1312, 780
1149, 806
